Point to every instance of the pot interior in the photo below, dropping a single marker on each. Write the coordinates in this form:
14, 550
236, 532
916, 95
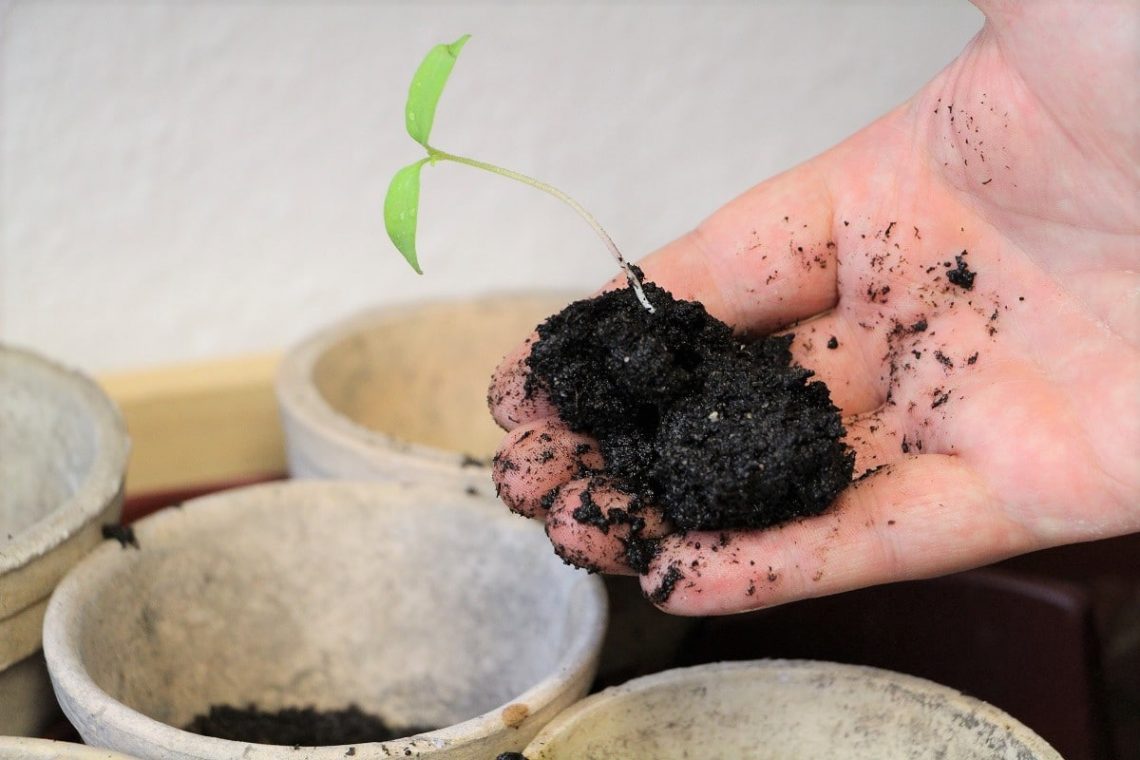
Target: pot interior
421, 374
426, 613
47, 442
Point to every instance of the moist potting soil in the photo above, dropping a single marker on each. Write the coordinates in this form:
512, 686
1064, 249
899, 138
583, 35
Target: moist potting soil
124, 534
719, 433
297, 726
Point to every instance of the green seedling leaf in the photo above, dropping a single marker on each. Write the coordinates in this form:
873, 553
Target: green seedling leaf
401, 209
427, 86
402, 204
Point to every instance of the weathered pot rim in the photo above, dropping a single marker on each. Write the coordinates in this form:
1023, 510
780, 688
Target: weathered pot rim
575, 715
48, 749
62, 636
299, 397
103, 481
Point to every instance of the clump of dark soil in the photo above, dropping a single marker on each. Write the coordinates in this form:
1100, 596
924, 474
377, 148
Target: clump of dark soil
296, 726
961, 275
718, 433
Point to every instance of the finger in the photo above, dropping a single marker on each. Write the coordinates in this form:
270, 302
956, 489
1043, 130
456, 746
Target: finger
594, 525
829, 347
535, 459
764, 261
507, 397
922, 516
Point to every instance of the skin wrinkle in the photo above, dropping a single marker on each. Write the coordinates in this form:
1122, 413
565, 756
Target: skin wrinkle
855, 311
1072, 400
698, 238
974, 203
862, 350
742, 319
852, 348
1015, 68
880, 447
835, 360
1024, 512
1129, 283
734, 313
980, 203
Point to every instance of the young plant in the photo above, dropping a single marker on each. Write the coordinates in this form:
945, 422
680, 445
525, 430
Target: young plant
401, 205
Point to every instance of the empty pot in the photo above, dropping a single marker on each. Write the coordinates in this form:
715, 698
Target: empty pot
63, 452
422, 605
401, 393
784, 710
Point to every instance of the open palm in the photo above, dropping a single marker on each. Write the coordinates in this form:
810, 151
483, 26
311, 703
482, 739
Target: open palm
963, 275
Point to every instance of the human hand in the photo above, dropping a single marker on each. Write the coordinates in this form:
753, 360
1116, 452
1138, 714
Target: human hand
1012, 421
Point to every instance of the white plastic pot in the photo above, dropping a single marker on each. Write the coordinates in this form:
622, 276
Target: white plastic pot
401, 393
63, 452
416, 603
784, 710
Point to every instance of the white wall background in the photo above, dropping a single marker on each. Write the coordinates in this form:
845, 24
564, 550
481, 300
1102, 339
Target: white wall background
182, 180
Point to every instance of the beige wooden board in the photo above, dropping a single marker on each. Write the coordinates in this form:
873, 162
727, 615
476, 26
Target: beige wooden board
201, 423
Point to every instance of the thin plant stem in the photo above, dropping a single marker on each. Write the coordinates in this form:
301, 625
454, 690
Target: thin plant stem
634, 281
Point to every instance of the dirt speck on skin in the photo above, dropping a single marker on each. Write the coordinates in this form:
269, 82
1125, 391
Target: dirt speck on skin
548, 499
639, 552
124, 534
961, 275
589, 513
669, 581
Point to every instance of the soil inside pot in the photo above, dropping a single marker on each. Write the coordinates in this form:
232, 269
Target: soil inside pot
720, 434
297, 726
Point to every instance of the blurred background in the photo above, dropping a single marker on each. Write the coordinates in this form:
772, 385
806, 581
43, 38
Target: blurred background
182, 180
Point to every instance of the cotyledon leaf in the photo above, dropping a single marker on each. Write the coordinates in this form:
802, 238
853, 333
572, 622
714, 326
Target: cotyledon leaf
427, 86
401, 207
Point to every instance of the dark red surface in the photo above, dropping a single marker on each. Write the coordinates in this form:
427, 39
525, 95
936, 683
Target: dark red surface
138, 506
1026, 645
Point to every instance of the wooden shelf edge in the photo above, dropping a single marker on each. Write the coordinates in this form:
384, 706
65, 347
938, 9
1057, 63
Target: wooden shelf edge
203, 422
